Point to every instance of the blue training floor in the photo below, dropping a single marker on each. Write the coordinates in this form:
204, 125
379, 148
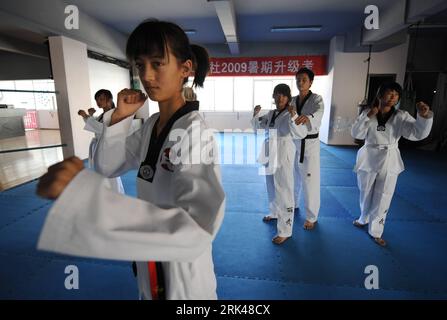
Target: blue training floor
326, 263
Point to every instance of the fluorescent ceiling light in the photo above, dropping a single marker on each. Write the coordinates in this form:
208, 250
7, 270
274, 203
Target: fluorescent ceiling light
296, 29
190, 31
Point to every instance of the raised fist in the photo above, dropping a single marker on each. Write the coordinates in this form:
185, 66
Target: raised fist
53, 183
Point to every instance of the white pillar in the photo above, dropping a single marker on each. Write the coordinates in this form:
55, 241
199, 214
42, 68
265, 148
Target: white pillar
71, 79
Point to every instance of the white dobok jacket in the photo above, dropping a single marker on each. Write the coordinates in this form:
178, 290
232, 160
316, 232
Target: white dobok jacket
286, 132
179, 209
95, 126
381, 142
313, 108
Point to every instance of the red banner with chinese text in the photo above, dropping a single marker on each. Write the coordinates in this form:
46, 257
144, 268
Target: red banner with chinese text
266, 66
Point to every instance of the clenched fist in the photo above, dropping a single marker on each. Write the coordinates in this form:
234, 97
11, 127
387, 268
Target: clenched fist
83, 114
302, 119
374, 108
423, 109
129, 101
256, 110
91, 111
373, 111
53, 183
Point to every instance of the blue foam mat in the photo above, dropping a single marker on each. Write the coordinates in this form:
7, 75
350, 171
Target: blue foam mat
326, 263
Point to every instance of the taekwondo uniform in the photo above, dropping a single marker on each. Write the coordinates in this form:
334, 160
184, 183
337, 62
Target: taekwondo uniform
278, 154
96, 126
379, 162
307, 159
177, 215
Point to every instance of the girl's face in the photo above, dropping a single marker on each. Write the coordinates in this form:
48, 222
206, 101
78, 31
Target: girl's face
390, 98
281, 100
102, 101
162, 77
303, 82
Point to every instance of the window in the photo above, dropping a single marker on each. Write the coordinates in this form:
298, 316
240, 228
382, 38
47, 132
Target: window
243, 94
205, 95
262, 94
44, 101
223, 94
29, 100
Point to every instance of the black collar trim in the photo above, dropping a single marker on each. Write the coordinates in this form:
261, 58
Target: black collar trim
299, 107
149, 165
273, 119
383, 119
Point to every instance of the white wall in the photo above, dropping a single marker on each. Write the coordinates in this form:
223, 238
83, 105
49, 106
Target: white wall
322, 85
108, 76
348, 74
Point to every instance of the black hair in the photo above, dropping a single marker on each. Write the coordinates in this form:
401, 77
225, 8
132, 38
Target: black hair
283, 89
154, 37
307, 71
105, 92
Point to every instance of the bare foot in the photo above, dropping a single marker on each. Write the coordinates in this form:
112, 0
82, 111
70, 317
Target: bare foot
279, 240
358, 224
268, 218
309, 225
380, 242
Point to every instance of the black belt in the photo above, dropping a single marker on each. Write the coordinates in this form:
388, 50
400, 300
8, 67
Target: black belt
303, 144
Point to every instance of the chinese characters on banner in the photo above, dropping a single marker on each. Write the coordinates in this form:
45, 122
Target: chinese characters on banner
266, 66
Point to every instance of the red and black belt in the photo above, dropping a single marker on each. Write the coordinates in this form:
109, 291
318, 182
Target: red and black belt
156, 280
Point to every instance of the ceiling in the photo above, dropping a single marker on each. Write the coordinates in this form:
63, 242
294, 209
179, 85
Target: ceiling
228, 24
254, 18
439, 18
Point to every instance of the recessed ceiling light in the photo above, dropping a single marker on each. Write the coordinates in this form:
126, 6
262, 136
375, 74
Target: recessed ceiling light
190, 31
296, 29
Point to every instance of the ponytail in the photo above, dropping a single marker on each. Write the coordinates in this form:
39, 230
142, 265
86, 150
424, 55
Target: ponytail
201, 65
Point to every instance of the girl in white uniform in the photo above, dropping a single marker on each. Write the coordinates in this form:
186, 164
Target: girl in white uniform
378, 161
104, 100
170, 228
310, 108
280, 150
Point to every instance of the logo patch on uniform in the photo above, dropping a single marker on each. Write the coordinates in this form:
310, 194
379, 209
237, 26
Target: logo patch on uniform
290, 209
289, 222
165, 161
146, 172
381, 128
